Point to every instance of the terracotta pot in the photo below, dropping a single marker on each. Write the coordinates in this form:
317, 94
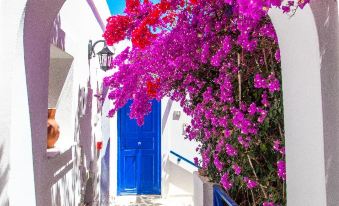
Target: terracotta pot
52, 128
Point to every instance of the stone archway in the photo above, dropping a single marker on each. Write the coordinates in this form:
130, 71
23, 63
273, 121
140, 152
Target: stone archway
309, 53
39, 18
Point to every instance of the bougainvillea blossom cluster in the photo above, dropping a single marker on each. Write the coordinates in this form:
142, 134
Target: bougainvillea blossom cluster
116, 29
220, 60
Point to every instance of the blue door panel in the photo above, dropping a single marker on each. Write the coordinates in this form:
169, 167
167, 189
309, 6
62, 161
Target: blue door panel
130, 163
139, 153
147, 174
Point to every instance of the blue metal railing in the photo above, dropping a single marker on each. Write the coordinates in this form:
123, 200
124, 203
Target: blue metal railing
183, 158
220, 197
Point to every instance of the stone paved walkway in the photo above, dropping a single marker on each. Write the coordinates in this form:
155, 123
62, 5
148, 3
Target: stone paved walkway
151, 200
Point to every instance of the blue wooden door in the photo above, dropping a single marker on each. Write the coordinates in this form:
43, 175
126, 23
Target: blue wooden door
139, 153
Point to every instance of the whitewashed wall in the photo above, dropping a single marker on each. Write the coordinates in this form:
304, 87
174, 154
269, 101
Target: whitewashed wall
25, 56
309, 51
177, 176
15, 141
77, 112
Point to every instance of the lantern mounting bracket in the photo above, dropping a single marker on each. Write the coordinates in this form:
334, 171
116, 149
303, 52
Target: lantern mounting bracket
91, 52
105, 55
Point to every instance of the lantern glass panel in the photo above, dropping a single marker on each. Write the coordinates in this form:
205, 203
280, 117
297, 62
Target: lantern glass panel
105, 58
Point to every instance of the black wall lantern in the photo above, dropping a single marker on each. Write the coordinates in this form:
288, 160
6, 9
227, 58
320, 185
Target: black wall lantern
105, 55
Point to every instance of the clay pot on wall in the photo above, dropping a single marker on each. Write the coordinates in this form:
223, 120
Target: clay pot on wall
52, 128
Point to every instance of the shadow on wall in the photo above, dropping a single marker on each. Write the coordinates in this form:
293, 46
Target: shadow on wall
63, 183
165, 160
81, 157
74, 178
85, 124
38, 22
181, 181
326, 16
165, 174
57, 34
105, 161
105, 176
64, 178
166, 115
89, 170
4, 175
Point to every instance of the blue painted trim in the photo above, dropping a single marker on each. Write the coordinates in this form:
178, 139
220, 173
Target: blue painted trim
220, 197
159, 148
118, 152
183, 158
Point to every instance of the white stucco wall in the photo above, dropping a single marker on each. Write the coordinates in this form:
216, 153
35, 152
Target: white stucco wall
71, 115
25, 57
15, 141
177, 177
309, 51
302, 107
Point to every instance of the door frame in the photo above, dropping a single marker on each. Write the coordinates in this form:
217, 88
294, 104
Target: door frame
159, 145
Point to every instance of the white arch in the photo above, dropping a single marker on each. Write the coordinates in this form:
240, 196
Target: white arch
309, 51
39, 18
300, 57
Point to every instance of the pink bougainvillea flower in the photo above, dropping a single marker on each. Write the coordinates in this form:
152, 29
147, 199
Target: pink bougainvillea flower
281, 169
277, 55
196, 161
225, 182
268, 204
245, 142
276, 145
303, 3
231, 151
274, 83
286, 9
217, 163
237, 169
250, 183
264, 100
